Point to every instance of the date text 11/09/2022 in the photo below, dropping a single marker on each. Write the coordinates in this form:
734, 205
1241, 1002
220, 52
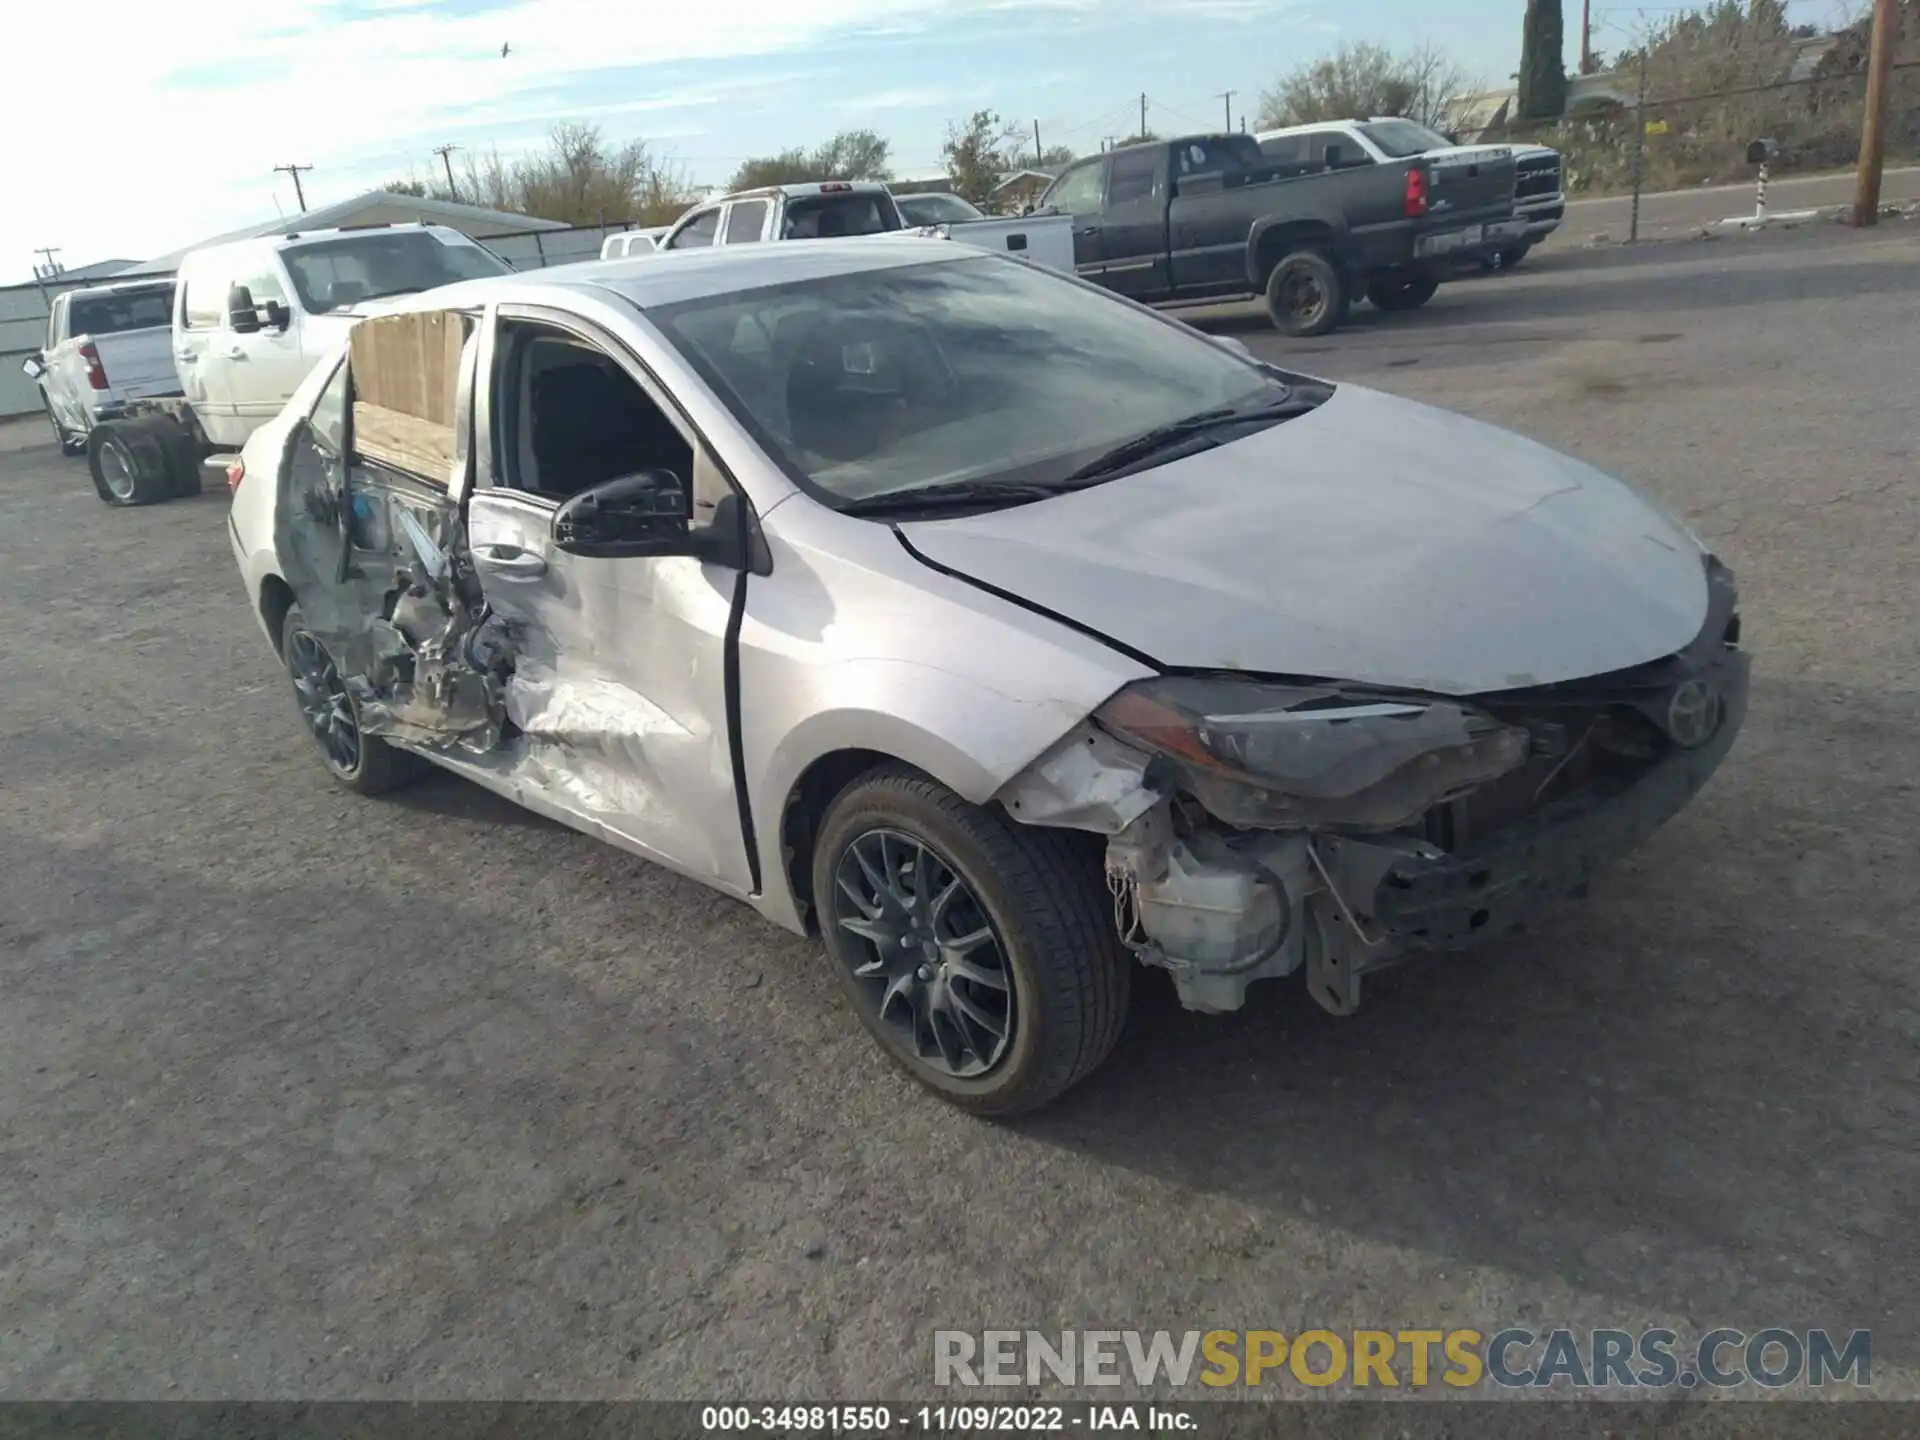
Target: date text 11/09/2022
944, 1419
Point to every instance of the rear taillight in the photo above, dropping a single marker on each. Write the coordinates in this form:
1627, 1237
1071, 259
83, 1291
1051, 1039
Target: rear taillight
1416, 193
236, 472
96, 372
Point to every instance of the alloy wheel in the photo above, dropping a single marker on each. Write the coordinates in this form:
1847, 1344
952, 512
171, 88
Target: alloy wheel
930, 963
116, 469
324, 701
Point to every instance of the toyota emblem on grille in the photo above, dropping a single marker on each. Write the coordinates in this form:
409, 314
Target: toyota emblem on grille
1693, 713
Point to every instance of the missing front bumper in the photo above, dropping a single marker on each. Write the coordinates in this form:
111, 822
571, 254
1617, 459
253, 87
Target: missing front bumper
1489, 888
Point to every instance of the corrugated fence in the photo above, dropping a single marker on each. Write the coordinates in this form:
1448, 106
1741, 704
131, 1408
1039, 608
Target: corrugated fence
23, 308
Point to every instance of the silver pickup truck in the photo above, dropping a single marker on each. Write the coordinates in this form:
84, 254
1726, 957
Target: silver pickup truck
106, 345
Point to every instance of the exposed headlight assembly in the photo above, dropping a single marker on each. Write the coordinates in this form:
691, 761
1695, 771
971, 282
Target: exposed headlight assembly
1295, 757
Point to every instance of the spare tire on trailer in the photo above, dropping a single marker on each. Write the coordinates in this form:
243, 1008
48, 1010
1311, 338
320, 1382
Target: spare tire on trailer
129, 463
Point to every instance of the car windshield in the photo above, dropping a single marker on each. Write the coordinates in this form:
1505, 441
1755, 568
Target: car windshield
980, 371
935, 209
119, 310
1401, 138
332, 274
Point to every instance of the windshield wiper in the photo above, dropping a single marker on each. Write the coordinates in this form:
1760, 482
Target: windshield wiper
953, 495
1163, 438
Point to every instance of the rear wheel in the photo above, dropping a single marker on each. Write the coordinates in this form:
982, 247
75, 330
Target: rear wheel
365, 764
1307, 295
1402, 292
128, 463
980, 953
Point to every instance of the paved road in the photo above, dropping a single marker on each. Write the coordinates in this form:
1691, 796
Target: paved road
305, 1095
1679, 211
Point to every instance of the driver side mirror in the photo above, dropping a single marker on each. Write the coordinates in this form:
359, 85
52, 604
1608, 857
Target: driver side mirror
278, 316
242, 316
631, 517
35, 367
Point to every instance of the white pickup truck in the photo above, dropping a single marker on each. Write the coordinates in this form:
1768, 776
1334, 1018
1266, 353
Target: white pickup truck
106, 345
250, 318
836, 208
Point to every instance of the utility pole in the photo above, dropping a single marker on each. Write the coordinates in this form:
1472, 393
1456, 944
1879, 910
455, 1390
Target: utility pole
1639, 144
294, 171
1873, 130
1586, 37
1226, 96
1039, 155
52, 266
1143, 114
445, 152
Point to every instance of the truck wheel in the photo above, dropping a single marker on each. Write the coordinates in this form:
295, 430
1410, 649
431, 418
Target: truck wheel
1307, 294
1400, 292
980, 953
68, 445
183, 461
129, 466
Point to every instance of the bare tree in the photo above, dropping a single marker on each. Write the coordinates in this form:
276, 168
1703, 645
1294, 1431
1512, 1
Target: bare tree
979, 152
849, 155
1361, 79
577, 178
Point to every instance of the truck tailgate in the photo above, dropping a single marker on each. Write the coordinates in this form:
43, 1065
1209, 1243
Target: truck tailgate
1043, 239
1471, 184
138, 362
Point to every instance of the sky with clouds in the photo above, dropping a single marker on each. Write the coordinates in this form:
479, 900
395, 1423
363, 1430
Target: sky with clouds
155, 125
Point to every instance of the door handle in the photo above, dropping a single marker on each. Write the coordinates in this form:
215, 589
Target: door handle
509, 562
1088, 230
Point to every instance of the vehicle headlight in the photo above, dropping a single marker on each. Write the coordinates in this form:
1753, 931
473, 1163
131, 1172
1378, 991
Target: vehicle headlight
1271, 756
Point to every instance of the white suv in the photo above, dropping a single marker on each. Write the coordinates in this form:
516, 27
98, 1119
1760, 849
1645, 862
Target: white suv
1538, 197
251, 317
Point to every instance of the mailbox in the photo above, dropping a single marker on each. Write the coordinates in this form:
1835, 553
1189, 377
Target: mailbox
1763, 152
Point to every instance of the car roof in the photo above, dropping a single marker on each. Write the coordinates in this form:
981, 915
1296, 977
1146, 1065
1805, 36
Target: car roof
302, 237
810, 187
669, 276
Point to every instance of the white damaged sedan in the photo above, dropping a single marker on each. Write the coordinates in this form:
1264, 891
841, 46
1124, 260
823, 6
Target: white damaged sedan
1001, 631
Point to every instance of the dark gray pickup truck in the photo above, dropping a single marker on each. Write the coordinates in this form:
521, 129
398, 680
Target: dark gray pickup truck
1209, 217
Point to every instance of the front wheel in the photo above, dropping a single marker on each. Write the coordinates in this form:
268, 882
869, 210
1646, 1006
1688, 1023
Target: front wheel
1307, 294
68, 445
363, 763
980, 953
1402, 292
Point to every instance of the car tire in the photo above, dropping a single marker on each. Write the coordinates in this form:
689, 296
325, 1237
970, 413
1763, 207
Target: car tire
1402, 292
365, 764
1307, 294
68, 445
1037, 897
128, 464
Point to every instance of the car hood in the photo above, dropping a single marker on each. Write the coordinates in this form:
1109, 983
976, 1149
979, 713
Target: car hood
1373, 540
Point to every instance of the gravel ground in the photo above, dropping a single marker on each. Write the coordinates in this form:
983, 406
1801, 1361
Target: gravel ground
309, 1096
